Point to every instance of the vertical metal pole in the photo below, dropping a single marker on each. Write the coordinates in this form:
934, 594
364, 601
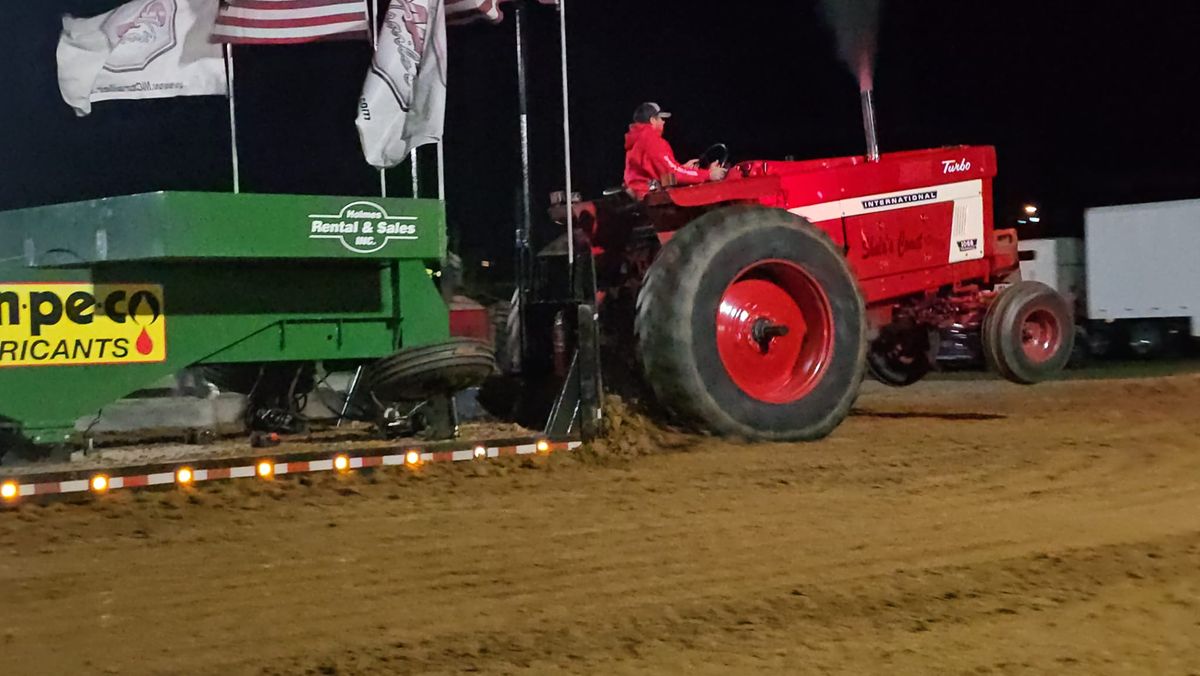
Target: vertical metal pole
441, 166
233, 149
373, 22
525, 223
525, 217
562, 28
416, 176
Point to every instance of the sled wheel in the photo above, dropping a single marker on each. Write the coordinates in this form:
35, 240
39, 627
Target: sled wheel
1028, 333
417, 373
900, 356
750, 324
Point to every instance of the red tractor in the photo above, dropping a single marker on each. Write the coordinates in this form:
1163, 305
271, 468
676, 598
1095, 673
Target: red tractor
754, 306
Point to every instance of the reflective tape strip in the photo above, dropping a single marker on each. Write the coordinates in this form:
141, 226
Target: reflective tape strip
33, 487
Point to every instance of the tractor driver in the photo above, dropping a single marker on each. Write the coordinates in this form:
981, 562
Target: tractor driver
649, 160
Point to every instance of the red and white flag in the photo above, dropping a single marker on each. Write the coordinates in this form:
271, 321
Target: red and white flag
144, 49
403, 103
459, 12
284, 22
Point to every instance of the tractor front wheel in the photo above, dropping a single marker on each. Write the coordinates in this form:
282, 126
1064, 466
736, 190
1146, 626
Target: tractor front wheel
750, 324
902, 355
1028, 333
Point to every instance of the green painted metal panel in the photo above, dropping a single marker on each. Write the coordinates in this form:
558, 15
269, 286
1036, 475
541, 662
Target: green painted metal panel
189, 225
244, 278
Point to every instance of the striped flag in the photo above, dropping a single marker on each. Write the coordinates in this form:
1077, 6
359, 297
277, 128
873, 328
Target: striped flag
283, 22
459, 12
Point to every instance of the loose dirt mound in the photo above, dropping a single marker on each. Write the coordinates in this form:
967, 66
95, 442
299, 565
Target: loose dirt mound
956, 527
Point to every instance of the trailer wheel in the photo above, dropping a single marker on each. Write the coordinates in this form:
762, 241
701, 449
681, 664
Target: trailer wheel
417, 373
1028, 333
1147, 339
750, 324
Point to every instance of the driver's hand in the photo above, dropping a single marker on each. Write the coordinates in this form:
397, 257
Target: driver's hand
716, 172
692, 164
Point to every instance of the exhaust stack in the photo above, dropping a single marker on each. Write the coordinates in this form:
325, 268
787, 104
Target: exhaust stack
868, 109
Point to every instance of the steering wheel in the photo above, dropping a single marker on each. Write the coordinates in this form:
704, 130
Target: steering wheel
718, 152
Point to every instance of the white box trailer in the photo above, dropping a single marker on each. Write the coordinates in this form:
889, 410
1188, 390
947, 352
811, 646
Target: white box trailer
1057, 263
1143, 262
1133, 279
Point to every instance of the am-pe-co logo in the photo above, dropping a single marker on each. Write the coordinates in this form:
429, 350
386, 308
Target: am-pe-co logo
362, 227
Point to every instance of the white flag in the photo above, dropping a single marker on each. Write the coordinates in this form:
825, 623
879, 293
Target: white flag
403, 103
145, 49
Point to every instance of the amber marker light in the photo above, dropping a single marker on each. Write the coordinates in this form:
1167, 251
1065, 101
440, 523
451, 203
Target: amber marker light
412, 458
265, 469
99, 483
341, 463
185, 476
480, 452
8, 490
543, 446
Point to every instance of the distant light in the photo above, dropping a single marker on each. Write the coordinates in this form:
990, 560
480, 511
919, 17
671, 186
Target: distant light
266, 468
1021, 221
184, 476
1035, 219
543, 446
412, 457
99, 483
480, 452
1030, 209
341, 463
8, 490
485, 264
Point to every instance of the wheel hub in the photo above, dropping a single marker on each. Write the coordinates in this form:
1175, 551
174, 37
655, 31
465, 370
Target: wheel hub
1041, 335
764, 331
775, 332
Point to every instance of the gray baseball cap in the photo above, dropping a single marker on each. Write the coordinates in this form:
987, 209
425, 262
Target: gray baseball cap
648, 110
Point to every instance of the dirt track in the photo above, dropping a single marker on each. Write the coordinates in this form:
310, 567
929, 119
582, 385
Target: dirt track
956, 527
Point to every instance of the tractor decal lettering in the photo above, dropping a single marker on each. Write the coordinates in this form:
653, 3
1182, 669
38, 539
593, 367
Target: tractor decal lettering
910, 198
61, 324
880, 242
968, 244
362, 227
952, 167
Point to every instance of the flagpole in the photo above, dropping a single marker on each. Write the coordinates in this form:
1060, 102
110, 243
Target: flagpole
233, 149
416, 178
373, 20
441, 164
562, 27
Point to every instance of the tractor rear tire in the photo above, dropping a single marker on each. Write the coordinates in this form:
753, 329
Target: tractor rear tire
1028, 333
417, 373
750, 324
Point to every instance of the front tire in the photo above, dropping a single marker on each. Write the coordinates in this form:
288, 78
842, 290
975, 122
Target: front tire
1028, 333
750, 324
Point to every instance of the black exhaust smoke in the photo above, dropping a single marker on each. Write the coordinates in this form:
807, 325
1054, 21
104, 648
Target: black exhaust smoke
855, 25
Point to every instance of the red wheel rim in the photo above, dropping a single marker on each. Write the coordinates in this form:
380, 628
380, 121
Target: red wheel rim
1041, 335
775, 331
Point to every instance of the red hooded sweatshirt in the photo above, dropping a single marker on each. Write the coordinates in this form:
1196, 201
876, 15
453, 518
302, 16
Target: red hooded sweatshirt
648, 157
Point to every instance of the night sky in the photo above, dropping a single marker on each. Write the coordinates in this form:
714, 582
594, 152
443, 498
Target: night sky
1085, 102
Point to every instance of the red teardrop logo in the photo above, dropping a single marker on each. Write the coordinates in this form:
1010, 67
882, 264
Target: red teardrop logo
144, 344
